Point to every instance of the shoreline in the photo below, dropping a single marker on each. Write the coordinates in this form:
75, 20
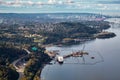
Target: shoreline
102, 48
49, 45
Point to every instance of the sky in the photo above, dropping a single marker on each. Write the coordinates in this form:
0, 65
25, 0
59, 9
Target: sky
60, 6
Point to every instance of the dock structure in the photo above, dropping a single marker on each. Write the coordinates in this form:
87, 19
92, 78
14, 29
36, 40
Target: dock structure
76, 54
60, 59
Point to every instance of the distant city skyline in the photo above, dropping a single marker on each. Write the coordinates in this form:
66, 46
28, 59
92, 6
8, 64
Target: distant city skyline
111, 7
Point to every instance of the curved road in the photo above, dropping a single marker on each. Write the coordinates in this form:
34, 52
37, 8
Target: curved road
19, 65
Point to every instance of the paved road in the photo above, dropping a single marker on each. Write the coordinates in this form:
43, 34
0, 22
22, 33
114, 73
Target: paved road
19, 65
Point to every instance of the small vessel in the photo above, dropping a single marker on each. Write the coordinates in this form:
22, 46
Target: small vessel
60, 59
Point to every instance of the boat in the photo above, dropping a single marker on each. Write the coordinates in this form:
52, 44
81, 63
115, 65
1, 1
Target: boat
60, 59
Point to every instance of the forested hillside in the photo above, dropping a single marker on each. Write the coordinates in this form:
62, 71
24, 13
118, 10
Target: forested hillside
7, 56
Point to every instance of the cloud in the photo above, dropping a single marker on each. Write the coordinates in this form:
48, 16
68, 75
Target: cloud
51, 1
21, 3
110, 2
32, 3
69, 1
60, 4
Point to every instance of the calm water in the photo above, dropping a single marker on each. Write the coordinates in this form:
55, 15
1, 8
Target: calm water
109, 69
